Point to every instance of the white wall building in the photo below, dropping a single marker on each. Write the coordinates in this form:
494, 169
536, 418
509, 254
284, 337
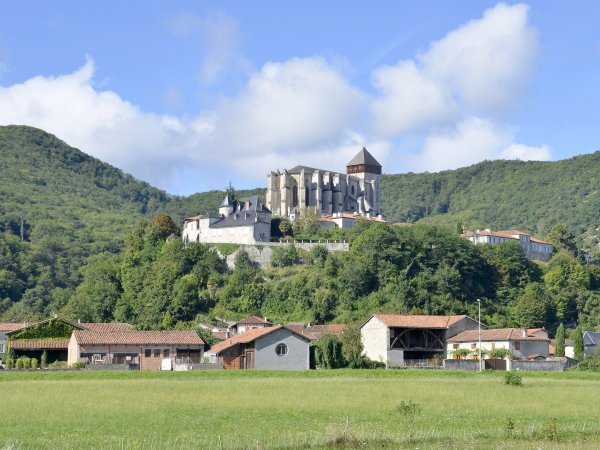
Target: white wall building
247, 221
534, 248
520, 343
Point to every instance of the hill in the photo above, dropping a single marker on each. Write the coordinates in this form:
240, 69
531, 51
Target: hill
528, 195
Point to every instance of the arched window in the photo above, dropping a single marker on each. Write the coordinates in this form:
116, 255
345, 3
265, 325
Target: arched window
281, 350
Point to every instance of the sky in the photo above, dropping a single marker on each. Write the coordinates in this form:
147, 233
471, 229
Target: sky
190, 95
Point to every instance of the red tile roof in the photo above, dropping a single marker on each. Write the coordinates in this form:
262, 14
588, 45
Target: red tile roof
252, 320
137, 338
249, 336
9, 326
497, 334
34, 324
107, 326
315, 332
38, 344
418, 321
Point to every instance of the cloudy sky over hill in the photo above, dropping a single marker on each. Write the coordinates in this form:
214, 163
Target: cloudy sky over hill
190, 95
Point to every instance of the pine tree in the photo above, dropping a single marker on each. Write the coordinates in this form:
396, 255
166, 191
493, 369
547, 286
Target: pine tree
167, 322
44, 359
559, 346
578, 348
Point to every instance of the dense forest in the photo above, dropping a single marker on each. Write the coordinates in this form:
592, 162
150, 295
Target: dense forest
81, 238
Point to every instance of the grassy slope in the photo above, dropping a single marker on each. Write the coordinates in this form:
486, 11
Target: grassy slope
296, 410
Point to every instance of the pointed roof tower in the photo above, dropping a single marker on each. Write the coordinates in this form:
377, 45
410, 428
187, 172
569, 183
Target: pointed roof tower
363, 162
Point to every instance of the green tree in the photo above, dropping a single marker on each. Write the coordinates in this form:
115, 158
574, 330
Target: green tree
559, 346
578, 346
328, 352
533, 309
562, 238
167, 322
352, 347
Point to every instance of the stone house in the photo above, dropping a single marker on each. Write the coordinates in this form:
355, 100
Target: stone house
268, 348
143, 350
249, 323
402, 340
520, 343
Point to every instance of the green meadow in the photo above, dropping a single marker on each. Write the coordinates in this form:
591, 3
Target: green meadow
315, 409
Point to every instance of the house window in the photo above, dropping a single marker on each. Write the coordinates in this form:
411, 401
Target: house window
147, 353
517, 345
473, 346
157, 353
281, 350
455, 346
166, 353
1, 347
493, 345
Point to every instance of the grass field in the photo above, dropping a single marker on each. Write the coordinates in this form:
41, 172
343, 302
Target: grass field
316, 409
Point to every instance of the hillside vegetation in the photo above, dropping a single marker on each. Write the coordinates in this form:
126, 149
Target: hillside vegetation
528, 195
76, 239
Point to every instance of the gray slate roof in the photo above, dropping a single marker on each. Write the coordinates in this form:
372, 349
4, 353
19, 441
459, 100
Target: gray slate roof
591, 338
242, 216
364, 157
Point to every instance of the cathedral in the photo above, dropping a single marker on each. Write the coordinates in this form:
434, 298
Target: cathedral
329, 193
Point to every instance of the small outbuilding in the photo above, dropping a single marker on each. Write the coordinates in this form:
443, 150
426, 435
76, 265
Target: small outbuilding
269, 348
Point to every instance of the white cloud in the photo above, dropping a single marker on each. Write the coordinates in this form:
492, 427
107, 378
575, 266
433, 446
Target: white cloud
219, 37
479, 68
469, 142
289, 106
296, 109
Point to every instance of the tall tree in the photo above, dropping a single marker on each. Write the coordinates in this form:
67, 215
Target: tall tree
578, 347
559, 346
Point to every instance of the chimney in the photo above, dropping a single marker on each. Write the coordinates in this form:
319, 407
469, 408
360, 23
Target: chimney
247, 204
78, 320
525, 334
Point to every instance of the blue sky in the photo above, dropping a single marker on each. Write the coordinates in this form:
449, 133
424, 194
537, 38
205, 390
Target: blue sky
190, 95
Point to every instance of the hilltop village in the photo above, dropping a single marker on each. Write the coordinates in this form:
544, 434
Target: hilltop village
370, 254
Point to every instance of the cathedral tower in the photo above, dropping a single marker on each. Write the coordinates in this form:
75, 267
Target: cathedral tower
365, 166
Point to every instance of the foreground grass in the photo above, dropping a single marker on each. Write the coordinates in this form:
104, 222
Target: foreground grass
325, 409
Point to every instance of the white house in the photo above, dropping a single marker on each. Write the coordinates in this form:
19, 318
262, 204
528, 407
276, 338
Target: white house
247, 221
249, 323
399, 340
520, 343
534, 248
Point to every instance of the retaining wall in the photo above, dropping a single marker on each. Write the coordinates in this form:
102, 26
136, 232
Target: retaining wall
537, 366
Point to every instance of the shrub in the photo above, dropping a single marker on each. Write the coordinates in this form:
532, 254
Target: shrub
365, 363
44, 359
23, 362
500, 353
513, 378
34, 363
58, 364
78, 365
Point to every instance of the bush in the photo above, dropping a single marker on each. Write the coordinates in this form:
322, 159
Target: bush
34, 363
365, 363
78, 365
513, 378
58, 364
23, 362
44, 360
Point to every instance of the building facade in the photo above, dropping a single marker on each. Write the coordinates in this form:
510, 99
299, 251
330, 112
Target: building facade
327, 192
247, 221
519, 342
533, 247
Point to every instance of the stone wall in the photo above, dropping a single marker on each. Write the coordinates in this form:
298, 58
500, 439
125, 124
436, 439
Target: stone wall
461, 364
260, 254
537, 366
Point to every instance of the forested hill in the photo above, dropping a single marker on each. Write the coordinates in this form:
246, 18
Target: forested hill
529, 195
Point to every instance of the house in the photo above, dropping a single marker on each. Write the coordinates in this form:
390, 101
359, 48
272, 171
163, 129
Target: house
249, 323
520, 343
6, 327
315, 332
143, 350
591, 340
533, 247
399, 340
540, 332
50, 336
271, 348
327, 192
247, 221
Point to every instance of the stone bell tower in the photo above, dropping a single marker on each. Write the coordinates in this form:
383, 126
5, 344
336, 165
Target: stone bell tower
365, 166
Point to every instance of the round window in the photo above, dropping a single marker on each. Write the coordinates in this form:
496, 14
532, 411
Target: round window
281, 349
